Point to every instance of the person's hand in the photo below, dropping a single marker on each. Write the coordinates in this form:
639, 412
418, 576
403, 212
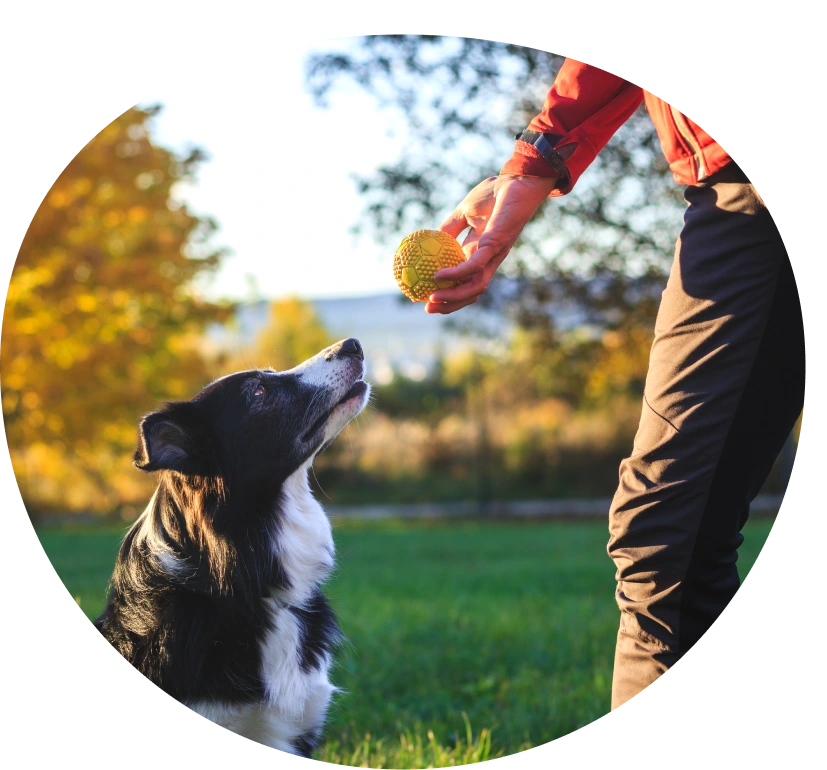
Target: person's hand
496, 210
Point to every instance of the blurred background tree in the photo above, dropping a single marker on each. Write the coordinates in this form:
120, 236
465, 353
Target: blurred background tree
102, 318
599, 254
294, 332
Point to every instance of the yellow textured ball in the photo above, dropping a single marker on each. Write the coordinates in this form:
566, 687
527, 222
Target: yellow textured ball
419, 256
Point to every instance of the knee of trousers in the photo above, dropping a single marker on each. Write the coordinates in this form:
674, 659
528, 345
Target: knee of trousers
665, 567
650, 611
653, 525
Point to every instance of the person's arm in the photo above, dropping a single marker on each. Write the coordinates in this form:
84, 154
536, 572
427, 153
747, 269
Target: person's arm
582, 111
584, 107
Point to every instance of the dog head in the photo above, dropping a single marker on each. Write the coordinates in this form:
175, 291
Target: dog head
257, 427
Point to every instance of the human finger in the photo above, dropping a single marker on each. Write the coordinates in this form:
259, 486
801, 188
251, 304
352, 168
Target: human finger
455, 223
478, 202
444, 308
474, 287
464, 270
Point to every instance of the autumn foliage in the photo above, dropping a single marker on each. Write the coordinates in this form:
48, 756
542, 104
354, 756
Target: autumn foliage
102, 320
293, 333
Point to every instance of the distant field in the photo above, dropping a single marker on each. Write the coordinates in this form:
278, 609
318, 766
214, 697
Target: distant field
512, 625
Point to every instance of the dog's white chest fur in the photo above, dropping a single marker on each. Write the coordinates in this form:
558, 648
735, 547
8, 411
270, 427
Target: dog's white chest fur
304, 544
296, 700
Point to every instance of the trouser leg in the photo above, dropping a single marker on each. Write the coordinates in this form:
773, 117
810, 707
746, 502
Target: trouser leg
724, 387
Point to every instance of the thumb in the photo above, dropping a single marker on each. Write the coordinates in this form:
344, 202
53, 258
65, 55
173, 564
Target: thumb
455, 223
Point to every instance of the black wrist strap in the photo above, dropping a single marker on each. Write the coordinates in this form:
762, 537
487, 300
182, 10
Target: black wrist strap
544, 144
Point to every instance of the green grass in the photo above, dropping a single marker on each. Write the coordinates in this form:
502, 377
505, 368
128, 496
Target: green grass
466, 640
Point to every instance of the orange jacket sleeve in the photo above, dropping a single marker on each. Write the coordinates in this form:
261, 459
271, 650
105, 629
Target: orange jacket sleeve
583, 109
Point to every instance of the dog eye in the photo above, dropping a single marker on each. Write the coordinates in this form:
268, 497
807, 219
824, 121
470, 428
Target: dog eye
260, 391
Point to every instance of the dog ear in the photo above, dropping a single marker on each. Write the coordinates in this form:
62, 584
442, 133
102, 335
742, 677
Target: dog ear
171, 439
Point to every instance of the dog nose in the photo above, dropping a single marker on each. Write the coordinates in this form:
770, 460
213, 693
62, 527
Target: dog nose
351, 347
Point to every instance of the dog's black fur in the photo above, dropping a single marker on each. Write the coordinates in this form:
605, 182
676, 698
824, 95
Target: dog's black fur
191, 598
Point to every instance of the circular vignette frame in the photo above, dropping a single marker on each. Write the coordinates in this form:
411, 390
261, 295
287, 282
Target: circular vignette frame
230, 43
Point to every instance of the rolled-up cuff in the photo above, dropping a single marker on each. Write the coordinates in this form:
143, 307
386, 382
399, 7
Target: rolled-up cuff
527, 161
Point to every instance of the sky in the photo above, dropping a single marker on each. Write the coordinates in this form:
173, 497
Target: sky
278, 180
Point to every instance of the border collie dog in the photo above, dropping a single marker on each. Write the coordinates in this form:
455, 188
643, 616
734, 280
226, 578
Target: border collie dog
215, 596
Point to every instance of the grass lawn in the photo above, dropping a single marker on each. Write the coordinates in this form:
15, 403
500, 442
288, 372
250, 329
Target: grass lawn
467, 640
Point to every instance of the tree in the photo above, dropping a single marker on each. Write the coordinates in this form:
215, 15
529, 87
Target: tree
293, 334
102, 318
602, 252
